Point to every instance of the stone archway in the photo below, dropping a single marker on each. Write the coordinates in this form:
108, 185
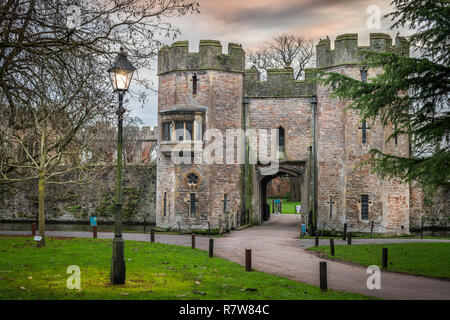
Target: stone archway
264, 174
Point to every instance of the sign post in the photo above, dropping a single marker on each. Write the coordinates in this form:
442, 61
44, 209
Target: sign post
93, 221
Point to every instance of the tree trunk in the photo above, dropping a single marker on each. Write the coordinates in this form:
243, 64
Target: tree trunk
41, 209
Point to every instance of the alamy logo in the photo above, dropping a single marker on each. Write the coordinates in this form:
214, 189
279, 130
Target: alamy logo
373, 22
74, 280
374, 281
73, 17
261, 146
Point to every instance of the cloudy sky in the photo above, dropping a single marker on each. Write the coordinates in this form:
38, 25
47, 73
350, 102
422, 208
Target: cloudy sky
251, 22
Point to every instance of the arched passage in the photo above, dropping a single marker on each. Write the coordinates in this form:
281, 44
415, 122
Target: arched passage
264, 175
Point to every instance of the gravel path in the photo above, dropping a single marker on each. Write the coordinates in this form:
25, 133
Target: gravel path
276, 249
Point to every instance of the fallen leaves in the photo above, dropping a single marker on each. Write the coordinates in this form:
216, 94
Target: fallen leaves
199, 292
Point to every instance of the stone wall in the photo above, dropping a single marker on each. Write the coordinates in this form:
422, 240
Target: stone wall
216, 104
76, 203
278, 187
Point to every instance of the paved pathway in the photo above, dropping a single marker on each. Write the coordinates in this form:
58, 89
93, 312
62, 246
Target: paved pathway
276, 249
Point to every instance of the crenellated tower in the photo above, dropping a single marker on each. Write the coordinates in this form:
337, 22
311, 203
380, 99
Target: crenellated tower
198, 91
346, 193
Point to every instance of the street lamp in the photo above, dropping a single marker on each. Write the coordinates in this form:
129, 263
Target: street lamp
121, 73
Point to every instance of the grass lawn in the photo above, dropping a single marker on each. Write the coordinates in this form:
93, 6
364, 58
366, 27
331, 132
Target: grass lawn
429, 259
286, 206
154, 271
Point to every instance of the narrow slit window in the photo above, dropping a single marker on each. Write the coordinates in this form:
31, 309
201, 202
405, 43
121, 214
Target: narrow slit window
364, 207
194, 84
165, 204
192, 204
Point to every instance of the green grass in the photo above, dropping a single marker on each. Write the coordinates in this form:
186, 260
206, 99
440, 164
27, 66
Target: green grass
428, 259
154, 271
286, 206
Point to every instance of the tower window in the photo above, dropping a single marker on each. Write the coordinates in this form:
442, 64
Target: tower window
179, 130
192, 201
194, 84
167, 131
281, 137
165, 204
364, 207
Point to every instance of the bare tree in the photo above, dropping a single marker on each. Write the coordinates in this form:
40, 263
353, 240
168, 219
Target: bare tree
34, 32
54, 93
54, 143
284, 50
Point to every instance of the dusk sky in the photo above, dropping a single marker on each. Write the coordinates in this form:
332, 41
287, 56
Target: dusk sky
251, 22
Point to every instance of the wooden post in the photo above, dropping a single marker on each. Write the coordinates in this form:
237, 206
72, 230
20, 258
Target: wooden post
33, 229
211, 248
323, 276
95, 231
248, 260
384, 261
332, 247
316, 242
371, 230
349, 238
345, 232
193, 241
152, 235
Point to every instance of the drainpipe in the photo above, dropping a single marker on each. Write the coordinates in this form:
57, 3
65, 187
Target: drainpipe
245, 103
313, 101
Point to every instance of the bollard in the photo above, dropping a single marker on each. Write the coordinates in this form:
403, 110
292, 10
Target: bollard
193, 241
316, 240
371, 230
152, 235
179, 227
248, 260
384, 262
211, 248
33, 229
332, 247
349, 238
345, 232
94, 230
323, 276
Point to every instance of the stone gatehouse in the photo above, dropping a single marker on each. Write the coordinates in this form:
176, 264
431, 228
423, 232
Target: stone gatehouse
320, 142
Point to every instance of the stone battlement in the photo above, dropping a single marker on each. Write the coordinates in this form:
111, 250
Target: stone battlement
279, 83
209, 57
347, 51
145, 133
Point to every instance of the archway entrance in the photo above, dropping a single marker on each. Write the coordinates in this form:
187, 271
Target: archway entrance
265, 174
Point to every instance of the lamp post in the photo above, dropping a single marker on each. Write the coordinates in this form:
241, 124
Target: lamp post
120, 73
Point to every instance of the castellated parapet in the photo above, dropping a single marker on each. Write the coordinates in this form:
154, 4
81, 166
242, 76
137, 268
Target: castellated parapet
347, 51
209, 57
279, 83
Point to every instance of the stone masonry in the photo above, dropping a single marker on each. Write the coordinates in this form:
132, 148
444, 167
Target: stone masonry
212, 90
